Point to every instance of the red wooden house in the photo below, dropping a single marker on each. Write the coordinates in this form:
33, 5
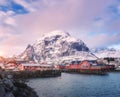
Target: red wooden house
60, 67
74, 65
34, 67
10, 66
86, 65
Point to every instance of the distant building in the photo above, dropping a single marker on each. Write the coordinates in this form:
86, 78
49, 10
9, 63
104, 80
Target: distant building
33, 67
10, 66
1, 65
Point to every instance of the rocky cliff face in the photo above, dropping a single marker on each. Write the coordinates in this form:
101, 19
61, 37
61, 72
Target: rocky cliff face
54, 45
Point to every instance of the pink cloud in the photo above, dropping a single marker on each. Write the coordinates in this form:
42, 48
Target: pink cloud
74, 16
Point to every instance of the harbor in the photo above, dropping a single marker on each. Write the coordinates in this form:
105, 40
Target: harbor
78, 85
60, 48
46, 69
86, 67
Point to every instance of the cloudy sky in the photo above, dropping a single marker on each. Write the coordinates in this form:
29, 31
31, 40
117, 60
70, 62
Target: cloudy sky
96, 22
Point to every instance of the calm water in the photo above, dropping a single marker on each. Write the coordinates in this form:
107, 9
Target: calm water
78, 85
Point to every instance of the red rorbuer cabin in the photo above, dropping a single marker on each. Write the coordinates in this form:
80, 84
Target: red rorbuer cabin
88, 67
60, 67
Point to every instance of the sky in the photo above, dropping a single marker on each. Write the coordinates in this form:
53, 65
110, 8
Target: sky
22, 22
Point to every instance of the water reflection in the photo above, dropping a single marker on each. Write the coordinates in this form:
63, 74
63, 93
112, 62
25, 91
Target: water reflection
78, 85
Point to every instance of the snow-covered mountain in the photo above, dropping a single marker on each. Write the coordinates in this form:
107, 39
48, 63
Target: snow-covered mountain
106, 52
56, 45
28, 54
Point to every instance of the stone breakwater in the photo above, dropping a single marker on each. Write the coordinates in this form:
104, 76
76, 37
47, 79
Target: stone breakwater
32, 74
15, 88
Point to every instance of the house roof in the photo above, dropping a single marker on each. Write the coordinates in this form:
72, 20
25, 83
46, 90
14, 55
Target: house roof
29, 64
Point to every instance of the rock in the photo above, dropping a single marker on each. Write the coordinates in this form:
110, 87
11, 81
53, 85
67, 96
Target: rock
14, 88
2, 91
8, 84
9, 95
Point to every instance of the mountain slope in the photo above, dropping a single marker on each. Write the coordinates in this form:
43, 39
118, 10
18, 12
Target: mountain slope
28, 54
106, 52
55, 45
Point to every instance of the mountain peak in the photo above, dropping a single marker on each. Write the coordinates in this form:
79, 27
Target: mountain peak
57, 44
56, 32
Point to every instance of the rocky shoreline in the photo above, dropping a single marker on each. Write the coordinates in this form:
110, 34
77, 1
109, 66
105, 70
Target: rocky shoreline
12, 84
10, 87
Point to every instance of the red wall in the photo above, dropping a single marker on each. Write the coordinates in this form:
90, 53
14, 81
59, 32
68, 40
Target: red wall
83, 65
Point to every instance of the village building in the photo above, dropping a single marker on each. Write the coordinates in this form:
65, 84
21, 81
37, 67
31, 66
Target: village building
33, 67
10, 66
86, 65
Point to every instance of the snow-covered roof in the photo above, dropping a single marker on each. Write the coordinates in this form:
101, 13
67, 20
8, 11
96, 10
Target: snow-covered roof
29, 64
